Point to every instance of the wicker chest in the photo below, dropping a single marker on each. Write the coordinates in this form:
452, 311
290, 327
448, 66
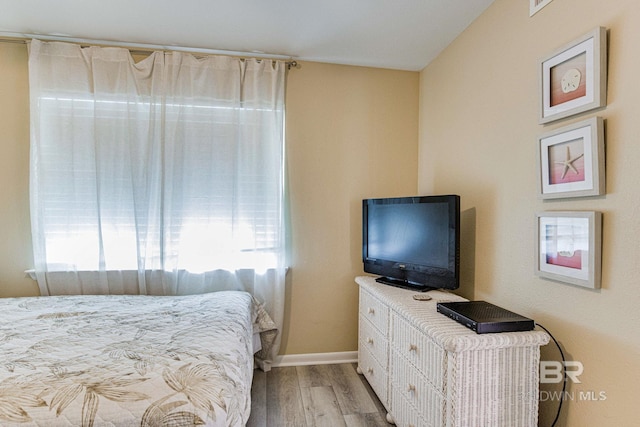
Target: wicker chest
429, 370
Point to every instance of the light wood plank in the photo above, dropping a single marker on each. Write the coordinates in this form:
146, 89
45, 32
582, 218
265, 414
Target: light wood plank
314, 396
314, 375
321, 407
366, 420
284, 402
350, 392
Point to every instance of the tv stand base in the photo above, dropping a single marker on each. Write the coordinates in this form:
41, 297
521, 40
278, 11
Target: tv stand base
403, 284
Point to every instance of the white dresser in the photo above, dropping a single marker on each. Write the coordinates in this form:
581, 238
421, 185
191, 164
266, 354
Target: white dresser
428, 370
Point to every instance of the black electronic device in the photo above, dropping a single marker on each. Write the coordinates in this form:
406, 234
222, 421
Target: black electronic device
413, 242
483, 317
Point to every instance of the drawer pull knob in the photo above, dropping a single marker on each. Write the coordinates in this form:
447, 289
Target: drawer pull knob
413, 347
370, 340
372, 310
411, 388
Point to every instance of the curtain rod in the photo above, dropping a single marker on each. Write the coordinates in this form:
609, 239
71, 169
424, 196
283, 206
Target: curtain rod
146, 47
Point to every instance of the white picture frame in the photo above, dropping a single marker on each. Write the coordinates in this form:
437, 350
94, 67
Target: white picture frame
569, 247
573, 79
536, 5
571, 160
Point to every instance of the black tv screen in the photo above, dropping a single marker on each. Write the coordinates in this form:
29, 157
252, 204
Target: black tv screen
413, 242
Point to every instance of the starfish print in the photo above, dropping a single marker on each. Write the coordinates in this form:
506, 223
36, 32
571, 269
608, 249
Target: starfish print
568, 163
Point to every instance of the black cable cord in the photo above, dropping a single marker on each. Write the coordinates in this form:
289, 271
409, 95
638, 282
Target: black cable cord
564, 371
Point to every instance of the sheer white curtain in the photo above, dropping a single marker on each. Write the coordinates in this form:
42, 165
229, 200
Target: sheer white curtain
159, 177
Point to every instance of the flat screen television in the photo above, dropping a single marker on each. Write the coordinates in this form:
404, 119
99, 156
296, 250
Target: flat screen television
413, 242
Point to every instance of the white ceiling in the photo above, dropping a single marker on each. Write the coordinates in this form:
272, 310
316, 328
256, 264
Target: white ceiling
398, 34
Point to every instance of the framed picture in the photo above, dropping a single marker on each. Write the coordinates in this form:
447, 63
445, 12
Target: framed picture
571, 161
573, 79
568, 247
536, 5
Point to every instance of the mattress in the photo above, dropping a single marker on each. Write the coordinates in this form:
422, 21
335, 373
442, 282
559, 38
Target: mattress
112, 360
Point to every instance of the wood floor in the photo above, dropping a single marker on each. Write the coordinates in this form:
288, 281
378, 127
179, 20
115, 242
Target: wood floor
319, 395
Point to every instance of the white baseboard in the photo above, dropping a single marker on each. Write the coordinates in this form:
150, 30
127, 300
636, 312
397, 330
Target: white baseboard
315, 359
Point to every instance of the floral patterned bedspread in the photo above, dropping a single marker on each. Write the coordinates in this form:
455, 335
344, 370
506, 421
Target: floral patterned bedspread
127, 360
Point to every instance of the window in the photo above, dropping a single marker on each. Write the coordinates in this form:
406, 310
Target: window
173, 163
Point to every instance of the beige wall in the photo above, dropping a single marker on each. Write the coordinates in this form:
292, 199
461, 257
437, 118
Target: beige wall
15, 231
478, 129
352, 133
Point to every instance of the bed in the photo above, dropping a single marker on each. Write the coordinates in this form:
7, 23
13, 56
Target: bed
129, 360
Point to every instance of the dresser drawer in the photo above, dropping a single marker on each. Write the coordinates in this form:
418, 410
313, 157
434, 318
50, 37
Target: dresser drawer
414, 399
376, 343
418, 350
406, 415
375, 374
374, 311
